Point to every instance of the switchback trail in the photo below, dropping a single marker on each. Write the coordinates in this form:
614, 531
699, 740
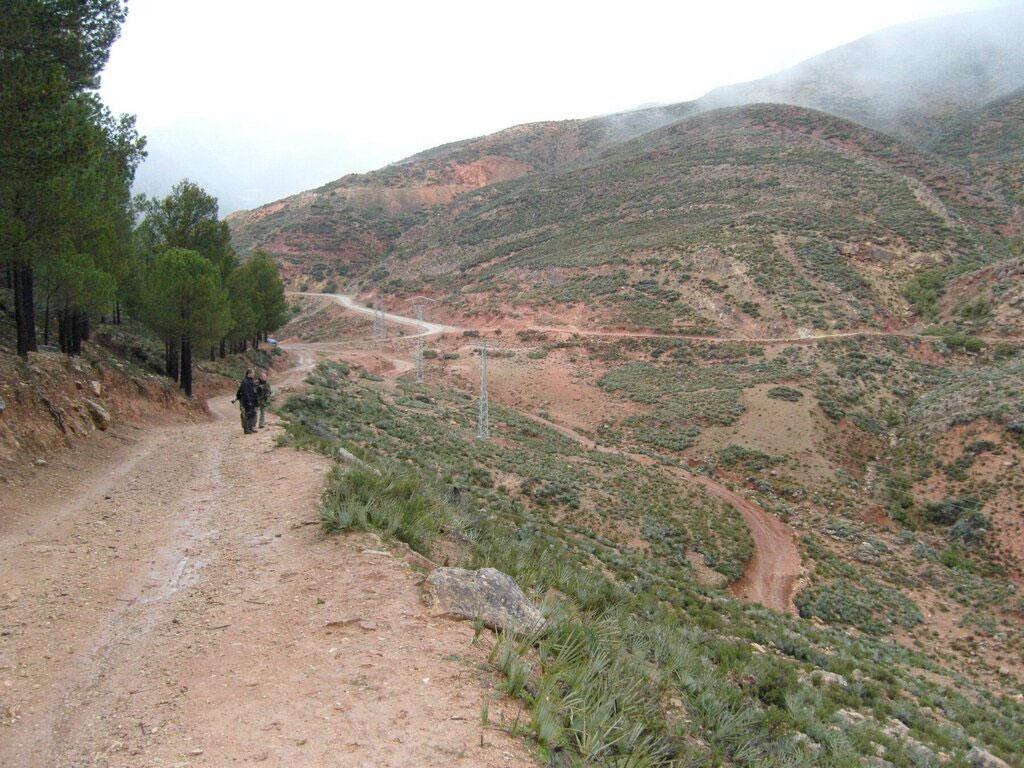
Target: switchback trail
770, 575
171, 602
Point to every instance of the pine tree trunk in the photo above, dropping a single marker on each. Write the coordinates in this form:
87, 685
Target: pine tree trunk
84, 329
172, 359
75, 334
62, 332
117, 312
223, 348
186, 366
46, 322
24, 311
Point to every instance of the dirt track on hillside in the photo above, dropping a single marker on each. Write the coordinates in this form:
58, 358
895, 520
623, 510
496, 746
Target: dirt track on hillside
769, 577
166, 599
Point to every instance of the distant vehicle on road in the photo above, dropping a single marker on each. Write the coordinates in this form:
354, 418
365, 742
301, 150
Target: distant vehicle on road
271, 341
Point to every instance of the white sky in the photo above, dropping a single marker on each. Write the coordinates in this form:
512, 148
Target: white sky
258, 99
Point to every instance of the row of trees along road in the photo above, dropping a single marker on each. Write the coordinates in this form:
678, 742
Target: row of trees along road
75, 247
191, 288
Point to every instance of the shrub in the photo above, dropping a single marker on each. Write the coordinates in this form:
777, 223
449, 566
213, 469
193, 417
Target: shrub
970, 528
749, 459
785, 393
397, 504
949, 510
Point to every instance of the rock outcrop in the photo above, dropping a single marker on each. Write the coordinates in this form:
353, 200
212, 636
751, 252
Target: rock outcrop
981, 758
99, 415
487, 594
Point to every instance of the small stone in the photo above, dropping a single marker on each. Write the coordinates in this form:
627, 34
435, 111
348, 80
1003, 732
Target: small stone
40, 462
849, 717
96, 387
896, 729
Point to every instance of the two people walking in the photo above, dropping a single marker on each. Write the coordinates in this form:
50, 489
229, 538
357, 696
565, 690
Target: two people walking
253, 397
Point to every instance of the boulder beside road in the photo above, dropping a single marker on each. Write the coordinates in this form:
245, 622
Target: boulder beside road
488, 593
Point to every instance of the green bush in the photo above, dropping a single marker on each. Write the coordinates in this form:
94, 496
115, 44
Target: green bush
785, 393
397, 504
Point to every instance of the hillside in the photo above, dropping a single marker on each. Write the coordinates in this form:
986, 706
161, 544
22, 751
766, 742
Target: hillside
764, 219
611, 488
903, 79
347, 225
990, 142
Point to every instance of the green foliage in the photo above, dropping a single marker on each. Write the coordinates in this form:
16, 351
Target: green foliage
748, 459
187, 218
959, 340
949, 510
66, 165
785, 393
184, 298
394, 503
257, 298
870, 607
924, 290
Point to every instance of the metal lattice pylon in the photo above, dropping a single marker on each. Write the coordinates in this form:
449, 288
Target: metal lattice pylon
379, 329
419, 361
483, 419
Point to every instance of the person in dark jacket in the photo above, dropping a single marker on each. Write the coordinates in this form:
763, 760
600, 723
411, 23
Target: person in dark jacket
263, 394
246, 398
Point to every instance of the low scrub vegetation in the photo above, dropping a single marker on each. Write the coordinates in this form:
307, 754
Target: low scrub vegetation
639, 665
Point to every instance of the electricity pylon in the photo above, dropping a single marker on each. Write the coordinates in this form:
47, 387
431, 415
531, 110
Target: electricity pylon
419, 361
483, 419
379, 330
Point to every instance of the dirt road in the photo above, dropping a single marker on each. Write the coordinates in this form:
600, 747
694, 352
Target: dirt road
771, 574
166, 600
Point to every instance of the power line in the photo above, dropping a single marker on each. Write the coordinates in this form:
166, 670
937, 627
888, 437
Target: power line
483, 419
379, 328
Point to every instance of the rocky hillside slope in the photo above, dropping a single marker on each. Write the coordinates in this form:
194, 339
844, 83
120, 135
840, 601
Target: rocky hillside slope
948, 86
765, 219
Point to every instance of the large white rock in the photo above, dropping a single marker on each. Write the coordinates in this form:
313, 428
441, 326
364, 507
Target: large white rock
487, 594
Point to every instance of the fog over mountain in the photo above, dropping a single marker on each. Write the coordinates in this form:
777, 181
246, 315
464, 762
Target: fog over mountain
899, 79
277, 102
247, 168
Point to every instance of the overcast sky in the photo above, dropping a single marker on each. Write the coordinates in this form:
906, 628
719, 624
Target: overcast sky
259, 99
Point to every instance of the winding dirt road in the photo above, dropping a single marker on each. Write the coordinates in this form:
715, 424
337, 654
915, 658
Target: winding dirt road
166, 600
769, 577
